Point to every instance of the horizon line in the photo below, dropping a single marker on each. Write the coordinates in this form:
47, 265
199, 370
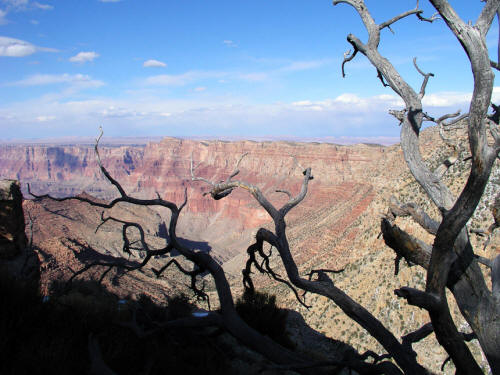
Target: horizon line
143, 140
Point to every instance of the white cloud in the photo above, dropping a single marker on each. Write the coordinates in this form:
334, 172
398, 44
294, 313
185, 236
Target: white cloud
455, 98
83, 57
80, 80
230, 43
15, 48
212, 115
434, 102
446, 99
45, 118
200, 88
11, 47
154, 64
495, 98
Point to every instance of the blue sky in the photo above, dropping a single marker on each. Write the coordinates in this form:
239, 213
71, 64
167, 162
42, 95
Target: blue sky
219, 68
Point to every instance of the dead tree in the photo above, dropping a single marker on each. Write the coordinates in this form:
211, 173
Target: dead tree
450, 261
226, 316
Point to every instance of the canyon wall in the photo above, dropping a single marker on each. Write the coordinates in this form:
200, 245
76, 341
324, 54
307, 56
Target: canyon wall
322, 228
341, 174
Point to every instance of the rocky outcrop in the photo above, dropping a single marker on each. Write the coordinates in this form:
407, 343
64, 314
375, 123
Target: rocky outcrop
17, 257
12, 237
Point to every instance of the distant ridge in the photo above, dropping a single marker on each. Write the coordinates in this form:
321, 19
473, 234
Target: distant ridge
344, 140
81, 141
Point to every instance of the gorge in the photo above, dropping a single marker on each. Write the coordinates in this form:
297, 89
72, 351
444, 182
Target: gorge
335, 227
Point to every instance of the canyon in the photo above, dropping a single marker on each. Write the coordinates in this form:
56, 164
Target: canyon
337, 225
345, 181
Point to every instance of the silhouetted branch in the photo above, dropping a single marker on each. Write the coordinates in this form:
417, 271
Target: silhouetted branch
419, 298
417, 336
202, 262
322, 271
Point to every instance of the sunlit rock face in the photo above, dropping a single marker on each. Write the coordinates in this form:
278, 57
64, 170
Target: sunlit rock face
164, 167
322, 227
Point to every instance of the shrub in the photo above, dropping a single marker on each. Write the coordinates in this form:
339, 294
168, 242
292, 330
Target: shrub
259, 311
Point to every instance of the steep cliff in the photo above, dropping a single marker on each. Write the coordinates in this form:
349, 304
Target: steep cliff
342, 174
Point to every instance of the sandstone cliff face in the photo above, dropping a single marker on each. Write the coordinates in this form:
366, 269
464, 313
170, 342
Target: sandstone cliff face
342, 173
346, 179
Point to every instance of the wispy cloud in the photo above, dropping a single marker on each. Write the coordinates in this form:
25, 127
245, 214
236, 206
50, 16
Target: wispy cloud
16, 3
296, 66
194, 76
83, 57
3, 14
80, 80
253, 77
154, 64
19, 6
182, 79
11, 47
43, 6
22, 5
230, 43
200, 88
